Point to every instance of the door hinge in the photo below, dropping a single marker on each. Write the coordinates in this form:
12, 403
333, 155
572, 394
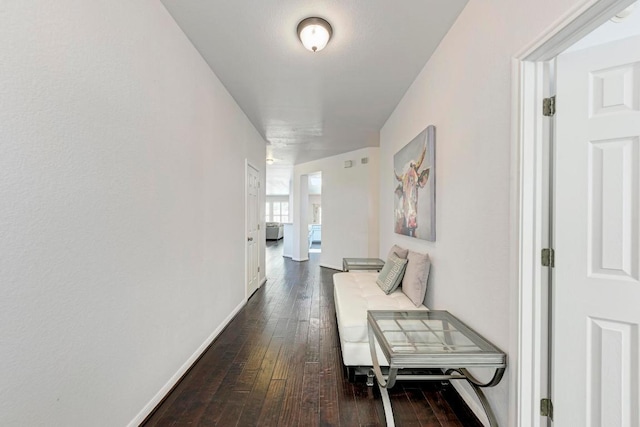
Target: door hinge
548, 257
546, 408
549, 106
258, 269
258, 226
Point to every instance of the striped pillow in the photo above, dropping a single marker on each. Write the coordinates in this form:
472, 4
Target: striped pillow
392, 273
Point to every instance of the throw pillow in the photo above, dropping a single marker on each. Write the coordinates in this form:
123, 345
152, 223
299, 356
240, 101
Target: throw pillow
391, 275
400, 252
414, 283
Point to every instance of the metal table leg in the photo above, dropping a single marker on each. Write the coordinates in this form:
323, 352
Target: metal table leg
477, 388
383, 383
388, 381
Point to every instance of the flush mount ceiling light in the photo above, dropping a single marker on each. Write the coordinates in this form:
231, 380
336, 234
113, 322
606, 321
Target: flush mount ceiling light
314, 33
270, 160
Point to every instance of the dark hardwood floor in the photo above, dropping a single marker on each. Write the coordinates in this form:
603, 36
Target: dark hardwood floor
278, 363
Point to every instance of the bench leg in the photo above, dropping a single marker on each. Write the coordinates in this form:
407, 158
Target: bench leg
370, 378
351, 373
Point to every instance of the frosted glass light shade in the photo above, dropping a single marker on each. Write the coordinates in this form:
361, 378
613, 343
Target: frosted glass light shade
314, 33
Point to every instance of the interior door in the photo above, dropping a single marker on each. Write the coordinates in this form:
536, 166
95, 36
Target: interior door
253, 231
597, 291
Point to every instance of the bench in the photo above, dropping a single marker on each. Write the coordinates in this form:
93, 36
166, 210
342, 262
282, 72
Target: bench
354, 294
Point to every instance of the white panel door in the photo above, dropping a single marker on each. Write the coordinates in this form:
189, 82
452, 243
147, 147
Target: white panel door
253, 231
596, 286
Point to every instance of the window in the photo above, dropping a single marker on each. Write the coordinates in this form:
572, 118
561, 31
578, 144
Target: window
277, 212
280, 212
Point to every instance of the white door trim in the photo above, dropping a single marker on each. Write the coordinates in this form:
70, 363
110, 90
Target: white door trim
247, 165
529, 83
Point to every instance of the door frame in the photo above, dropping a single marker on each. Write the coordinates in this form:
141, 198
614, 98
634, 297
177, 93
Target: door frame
531, 198
247, 165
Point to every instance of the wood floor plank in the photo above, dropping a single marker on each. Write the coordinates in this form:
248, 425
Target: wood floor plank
403, 411
293, 393
279, 363
347, 406
459, 407
256, 398
313, 340
441, 408
270, 413
329, 410
233, 408
281, 327
366, 402
421, 408
310, 406
218, 401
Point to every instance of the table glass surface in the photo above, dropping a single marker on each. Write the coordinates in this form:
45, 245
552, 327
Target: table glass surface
363, 261
428, 332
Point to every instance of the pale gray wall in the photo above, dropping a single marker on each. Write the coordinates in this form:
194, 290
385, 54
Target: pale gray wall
349, 206
465, 90
122, 182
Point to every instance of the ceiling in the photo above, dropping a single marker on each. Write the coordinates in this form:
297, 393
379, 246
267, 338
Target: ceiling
308, 105
279, 177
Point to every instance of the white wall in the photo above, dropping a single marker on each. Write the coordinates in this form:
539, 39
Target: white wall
465, 91
122, 173
349, 207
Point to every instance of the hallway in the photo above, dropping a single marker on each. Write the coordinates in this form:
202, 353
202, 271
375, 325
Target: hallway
278, 363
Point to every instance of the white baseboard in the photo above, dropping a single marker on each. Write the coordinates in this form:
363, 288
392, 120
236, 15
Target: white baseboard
471, 400
333, 267
300, 260
144, 413
264, 280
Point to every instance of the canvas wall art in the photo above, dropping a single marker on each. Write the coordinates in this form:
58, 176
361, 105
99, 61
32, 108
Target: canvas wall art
414, 170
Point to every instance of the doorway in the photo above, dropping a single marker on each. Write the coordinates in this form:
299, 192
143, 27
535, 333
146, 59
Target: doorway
314, 211
578, 194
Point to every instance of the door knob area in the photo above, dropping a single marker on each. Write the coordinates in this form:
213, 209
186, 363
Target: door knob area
250, 239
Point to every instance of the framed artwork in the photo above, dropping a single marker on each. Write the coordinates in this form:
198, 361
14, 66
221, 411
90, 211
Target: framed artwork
414, 173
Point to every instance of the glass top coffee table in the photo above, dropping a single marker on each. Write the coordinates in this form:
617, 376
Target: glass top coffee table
349, 264
430, 339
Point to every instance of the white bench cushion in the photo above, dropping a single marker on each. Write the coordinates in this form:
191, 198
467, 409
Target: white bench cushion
354, 294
